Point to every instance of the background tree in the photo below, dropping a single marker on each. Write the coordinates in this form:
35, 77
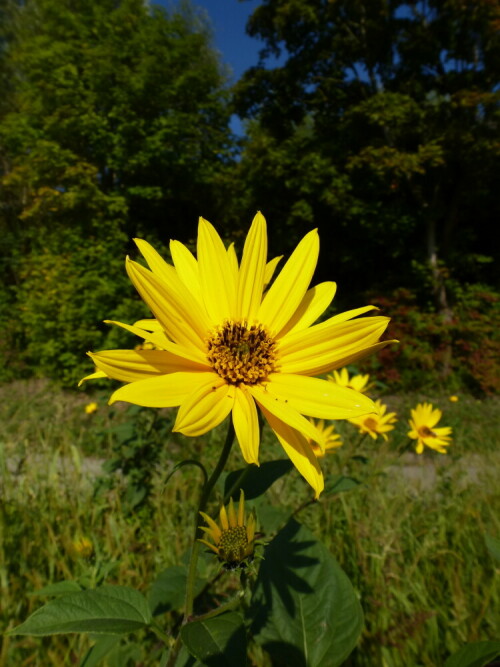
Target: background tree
116, 126
381, 127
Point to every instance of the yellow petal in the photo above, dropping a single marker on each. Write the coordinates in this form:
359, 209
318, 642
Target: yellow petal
287, 291
160, 340
213, 527
252, 270
324, 346
318, 398
251, 527
241, 509
173, 305
434, 418
155, 261
314, 304
246, 425
223, 518
206, 407
162, 391
233, 262
130, 366
299, 451
149, 325
93, 376
207, 544
286, 413
351, 314
186, 267
216, 277
233, 520
270, 269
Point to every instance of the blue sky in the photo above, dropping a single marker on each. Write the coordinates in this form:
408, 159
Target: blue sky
229, 18
237, 49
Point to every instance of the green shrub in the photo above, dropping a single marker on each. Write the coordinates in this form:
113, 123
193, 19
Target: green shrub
61, 303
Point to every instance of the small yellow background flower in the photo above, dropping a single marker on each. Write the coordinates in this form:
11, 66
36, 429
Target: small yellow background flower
377, 423
83, 547
90, 408
423, 429
356, 382
332, 439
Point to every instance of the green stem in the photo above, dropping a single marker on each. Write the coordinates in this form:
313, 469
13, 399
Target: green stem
237, 484
232, 604
193, 562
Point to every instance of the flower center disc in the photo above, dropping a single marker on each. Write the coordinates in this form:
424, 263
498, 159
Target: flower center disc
371, 423
425, 432
241, 354
232, 543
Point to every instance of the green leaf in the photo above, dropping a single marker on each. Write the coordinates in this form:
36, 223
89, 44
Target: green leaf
257, 478
338, 483
304, 608
103, 646
106, 610
476, 654
168, 590
493, 546
60, 588
218, 641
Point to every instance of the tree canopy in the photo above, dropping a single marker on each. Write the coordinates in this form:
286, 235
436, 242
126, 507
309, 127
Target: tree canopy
115, 125
381, 127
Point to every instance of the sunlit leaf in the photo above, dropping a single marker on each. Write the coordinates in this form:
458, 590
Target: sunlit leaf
106, 610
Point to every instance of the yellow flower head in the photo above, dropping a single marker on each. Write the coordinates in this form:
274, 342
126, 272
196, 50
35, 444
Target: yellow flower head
332, 440
356, 382
454, 399
83, 547
423, 429
233, 540
377, 423
227, 344
90, 408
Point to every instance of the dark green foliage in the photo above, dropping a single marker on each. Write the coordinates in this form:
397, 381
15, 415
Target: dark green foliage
380, 127
115, 125
137, 446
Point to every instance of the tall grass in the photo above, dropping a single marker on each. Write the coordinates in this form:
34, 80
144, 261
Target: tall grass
410, 536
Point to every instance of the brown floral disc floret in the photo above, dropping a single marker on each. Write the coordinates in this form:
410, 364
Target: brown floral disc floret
242, 354
425, 432
233, 544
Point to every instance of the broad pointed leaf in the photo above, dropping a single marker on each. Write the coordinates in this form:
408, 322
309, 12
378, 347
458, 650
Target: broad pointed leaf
105, 610
218, 641
257, 478
168, 591
476, 654
305, 611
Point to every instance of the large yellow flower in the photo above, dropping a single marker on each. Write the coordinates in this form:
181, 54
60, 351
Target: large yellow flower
225, 345
423, 422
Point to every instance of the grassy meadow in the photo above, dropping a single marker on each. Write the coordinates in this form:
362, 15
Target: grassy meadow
411, 535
